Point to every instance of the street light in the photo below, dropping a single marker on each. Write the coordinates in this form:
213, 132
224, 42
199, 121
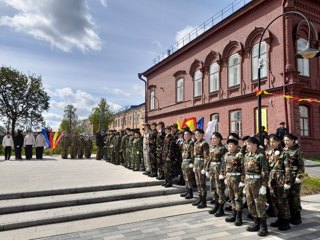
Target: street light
145, 96
306, 53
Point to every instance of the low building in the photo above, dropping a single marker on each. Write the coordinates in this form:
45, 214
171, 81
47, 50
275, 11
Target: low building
131, 117
215, 75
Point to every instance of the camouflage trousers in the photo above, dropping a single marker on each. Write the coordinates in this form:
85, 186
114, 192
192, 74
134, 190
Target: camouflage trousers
99, 153
177, 166
160, 165
87, 152
187, 172
73, 152
80, 152
294, 198
168, 167
235, 192
217, 185
146, 158
128, 158
153, 161
256, 202
200, 178
136, 161
64, 153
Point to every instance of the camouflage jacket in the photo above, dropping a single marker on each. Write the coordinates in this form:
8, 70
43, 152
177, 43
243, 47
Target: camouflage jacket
137, 146
187, 150
278, 162
256, 163
295, 158
233, 163
216, 153
168, 153
160, 140
201, 150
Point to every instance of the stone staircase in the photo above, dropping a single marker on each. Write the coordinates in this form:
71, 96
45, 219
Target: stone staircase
20, 210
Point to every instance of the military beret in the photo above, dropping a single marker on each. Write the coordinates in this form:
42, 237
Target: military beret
234, 141
128, 129
234, 136
290, 136
160, 123
282, 123
186, 128
180, 132
275, 137
146, 124
253, 140
218, 135
187, 131
199, 130
245, 138
175, 125
168, 127
154, 124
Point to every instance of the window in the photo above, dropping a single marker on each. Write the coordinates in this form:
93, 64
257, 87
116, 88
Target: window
255, 60
304, 121
152, 100
180, 90
303, 64
215, 117
235, 122
197, 83
234, 70
214, 77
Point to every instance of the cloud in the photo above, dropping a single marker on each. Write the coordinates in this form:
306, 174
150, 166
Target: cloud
64, 24
117, 91
183, 33
104, 3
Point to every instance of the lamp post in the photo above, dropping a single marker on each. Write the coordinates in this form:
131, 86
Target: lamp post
145, 96
306, 53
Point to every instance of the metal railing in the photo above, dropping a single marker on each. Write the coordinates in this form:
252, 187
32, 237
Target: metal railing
215, 19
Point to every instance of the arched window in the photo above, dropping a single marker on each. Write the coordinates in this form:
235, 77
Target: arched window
234, 70
214, 77
304, 121
303, 64
152, 100
255, 60
197, 83
215, 117
180, 90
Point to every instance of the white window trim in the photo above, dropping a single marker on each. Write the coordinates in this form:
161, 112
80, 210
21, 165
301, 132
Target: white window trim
255, 61
232, 67
215, 72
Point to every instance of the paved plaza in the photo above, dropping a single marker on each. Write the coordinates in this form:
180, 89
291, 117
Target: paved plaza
172, 222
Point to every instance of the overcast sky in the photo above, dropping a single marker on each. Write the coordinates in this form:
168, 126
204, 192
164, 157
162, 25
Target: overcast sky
88, 49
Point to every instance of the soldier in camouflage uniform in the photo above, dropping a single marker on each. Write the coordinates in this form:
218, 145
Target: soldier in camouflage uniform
116, 148
130, 149
146, 148
100, 145
81, 146
123, 147
256, 182
187, 164
88, 147
153, 150
232, 169
137, 151
213, 170
178, 158
160, 140
74, 146
295, 157
65, 142
279, 182
107, 142
168, 156
111, 149
201, 158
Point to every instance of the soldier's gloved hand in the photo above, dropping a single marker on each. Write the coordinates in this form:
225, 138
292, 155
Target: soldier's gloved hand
286, 186
241, 184
191, 165
297, 180
221, 177
203, 171
244, 191
225, 181
207, 174
262, 190
194, 169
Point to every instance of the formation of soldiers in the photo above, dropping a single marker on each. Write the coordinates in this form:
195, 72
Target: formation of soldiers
77, 145
264, 174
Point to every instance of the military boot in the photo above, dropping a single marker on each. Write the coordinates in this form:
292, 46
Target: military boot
203, 203
296, 218
231, 218
216, 204
220, 211
284, 226
185, 193
198, 201
263, 228
238, 221
190, 194
255, 226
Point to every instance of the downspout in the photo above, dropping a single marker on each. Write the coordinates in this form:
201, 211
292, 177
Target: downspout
140, 75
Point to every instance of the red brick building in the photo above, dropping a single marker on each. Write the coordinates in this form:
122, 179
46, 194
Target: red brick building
215, 74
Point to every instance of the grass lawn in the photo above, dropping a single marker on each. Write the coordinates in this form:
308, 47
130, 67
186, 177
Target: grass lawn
310, 185
316, 159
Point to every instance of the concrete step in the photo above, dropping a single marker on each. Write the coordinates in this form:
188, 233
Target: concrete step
51, 192
56, 201
65, 214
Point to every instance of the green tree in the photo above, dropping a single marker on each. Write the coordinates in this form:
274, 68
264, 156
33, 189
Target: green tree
101, 116
70, 119
22, 98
